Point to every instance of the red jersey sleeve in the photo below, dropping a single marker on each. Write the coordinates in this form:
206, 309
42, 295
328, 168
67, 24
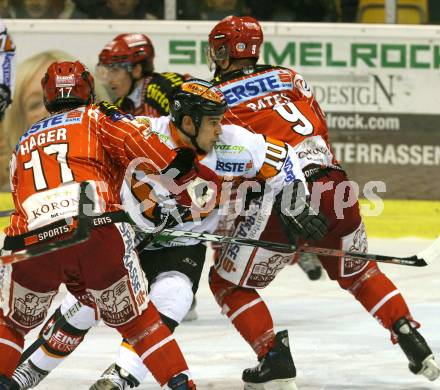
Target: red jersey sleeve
126, 140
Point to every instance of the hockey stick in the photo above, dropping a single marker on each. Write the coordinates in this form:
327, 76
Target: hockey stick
81, 234
46, 335
428, 255
5, 213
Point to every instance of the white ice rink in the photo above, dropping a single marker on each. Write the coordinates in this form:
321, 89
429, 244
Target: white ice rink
335, 344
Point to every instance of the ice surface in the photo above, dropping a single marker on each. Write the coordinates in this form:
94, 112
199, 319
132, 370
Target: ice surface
336, 345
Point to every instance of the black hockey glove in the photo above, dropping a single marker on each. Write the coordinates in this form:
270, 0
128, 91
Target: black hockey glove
297, 217
5, 99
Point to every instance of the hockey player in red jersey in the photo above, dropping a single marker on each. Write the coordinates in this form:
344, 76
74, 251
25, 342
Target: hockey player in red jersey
277, 102
79, 142
126, 65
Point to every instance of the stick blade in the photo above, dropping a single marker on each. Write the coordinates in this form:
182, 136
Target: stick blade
430, 254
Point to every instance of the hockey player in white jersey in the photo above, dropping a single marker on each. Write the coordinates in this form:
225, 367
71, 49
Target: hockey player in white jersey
7, 68
173, 268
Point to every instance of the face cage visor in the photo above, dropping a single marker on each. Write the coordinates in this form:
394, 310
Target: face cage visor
212, 56
107, 72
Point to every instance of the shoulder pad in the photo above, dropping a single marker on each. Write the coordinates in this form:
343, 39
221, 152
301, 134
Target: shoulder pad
113, 111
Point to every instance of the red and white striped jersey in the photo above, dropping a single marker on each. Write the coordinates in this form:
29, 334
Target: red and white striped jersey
278, 103
93, 143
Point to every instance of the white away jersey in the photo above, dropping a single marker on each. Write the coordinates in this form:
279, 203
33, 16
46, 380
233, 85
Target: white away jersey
238, 156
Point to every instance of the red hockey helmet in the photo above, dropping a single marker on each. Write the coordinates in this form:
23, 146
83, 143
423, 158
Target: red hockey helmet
235, 37
67, 85
128, 49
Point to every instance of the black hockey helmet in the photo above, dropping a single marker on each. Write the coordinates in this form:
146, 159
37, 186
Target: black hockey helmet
196, 98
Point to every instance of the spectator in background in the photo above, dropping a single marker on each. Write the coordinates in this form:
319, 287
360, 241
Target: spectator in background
121, 9
38, 9
5, 9
45, 9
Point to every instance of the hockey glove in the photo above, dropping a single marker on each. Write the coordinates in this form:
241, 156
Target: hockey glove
5, 99
183, 162
297, 217
193, 183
